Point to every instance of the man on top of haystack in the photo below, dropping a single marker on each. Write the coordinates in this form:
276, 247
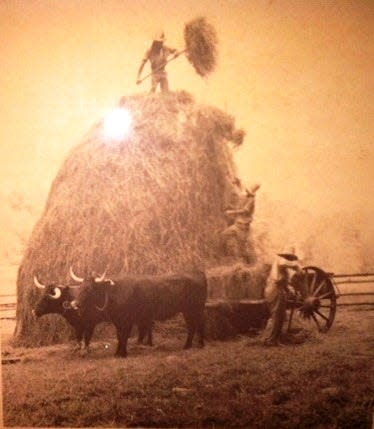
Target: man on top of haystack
278, 286
200, 40
158, 55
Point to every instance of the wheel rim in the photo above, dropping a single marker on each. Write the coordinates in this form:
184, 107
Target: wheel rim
317, 301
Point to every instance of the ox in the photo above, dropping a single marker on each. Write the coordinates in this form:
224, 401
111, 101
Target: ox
142, 299
144, 327
57, 299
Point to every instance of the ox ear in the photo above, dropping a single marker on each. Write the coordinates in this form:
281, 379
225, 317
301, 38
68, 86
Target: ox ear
99, 278
62, 286
104, 284
101, 286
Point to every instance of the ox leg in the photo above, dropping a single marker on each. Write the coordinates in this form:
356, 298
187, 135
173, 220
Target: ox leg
191, 328
140, 334
145, 330
142, 331
79, 336
87, 336
118, 332
123, 335
150, 334
201, 329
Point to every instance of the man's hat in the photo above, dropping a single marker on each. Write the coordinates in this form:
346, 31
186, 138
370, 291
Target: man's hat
289, 253
253, 189
159, 36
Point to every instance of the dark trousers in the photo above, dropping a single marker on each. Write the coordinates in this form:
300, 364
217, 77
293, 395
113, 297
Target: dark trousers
276, 298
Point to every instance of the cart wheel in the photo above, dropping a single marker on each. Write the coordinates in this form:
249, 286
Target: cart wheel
317, 298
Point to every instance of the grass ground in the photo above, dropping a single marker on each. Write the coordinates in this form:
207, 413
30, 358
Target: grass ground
317, 381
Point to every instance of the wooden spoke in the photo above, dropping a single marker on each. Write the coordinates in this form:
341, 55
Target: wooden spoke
320, 286
311, 286
326, 306
316, 321
306, 279
322, 315
325, 296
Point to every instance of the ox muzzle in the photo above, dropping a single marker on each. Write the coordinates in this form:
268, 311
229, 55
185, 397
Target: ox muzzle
75, 305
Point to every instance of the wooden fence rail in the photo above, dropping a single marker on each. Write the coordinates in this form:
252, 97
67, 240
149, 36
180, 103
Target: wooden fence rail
356, 294
351, 275
353, 279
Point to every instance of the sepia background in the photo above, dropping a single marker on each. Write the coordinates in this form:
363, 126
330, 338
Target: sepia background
297, 76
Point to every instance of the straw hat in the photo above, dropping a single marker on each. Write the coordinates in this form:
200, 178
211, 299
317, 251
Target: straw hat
159, 36
288, 253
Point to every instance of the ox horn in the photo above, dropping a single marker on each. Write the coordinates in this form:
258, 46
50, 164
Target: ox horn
38, 284
101, 278
75, 277
56, 293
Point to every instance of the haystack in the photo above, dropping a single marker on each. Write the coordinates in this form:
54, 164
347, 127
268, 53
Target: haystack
151, 203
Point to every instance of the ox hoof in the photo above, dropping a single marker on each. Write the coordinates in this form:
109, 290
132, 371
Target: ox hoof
273, 343
84, 352
77, 347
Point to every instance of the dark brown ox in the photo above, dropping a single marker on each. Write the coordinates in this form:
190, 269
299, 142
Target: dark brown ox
144, 327
57, 299
142, 299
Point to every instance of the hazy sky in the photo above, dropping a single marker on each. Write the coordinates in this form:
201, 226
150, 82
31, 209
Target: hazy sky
297, 75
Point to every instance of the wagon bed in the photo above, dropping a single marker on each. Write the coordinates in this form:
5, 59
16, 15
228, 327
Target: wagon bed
314, 297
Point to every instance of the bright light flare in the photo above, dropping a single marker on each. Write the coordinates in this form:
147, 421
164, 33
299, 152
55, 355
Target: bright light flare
117, 124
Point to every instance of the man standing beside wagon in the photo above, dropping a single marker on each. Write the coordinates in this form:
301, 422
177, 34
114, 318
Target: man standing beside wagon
278, 287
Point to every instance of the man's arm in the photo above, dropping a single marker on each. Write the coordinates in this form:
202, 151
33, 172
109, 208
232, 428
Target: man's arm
171, 51
142, 64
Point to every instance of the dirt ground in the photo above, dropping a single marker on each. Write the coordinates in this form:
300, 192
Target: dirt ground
315, 381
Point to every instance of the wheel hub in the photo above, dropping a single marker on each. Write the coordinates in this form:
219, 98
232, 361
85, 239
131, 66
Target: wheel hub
311, 304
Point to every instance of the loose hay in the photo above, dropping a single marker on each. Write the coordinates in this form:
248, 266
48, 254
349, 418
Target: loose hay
150, 204
237, 281
201, 45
